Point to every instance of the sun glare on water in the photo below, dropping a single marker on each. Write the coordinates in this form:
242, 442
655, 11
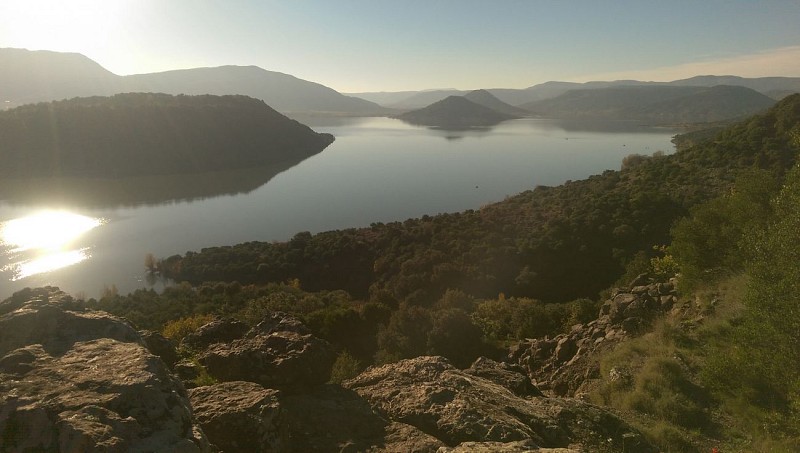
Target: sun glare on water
43, 242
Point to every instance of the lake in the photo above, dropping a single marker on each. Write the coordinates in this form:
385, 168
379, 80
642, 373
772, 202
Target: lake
86, 237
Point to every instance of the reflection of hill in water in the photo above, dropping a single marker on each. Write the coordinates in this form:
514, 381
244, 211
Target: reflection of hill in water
146, 190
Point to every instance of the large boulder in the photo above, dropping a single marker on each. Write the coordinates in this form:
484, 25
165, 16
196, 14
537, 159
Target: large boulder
74, 380
241, 416
455, 407
282, 359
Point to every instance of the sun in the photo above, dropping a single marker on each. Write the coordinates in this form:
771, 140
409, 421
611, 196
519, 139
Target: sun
80, 26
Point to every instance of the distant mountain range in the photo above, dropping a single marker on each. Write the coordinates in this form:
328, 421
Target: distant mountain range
36, 76
654, 104
774, 87
657, 104
455, 113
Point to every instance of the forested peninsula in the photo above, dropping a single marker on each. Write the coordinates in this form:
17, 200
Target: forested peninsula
142, 134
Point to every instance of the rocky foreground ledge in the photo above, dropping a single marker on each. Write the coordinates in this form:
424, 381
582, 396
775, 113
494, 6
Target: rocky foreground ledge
73, 380
568, 364
77, 380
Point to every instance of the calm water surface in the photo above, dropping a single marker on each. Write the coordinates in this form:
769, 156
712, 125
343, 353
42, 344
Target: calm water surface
377, 170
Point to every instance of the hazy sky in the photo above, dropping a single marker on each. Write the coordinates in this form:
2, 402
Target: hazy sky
378, 45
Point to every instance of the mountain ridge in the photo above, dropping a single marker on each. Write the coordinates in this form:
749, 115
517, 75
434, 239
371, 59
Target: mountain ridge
775, 87
40, 76
661, 104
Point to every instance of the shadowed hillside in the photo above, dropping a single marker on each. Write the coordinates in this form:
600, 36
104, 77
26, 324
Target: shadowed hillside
149, 134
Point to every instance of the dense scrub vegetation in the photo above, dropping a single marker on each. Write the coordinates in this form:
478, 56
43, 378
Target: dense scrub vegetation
138, 134
723, 370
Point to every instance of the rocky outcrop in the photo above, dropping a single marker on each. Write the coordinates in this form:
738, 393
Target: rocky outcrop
566, 364
278, 322
52, 319
75, 380
455, 407
278, 359
241, 416
217, 331
510, 376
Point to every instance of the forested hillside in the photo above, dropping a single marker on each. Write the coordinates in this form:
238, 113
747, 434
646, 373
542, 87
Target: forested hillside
139, 134
550, 243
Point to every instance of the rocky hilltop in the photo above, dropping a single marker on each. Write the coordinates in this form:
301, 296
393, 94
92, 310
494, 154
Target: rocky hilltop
73, 379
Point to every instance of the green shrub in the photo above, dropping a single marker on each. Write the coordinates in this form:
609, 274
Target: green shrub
345, 367
180, 328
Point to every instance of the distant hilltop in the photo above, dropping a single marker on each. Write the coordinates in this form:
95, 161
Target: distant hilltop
455, 112
138, 134
491, 101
